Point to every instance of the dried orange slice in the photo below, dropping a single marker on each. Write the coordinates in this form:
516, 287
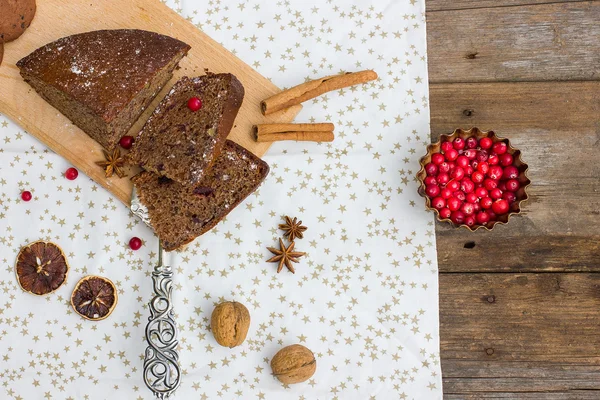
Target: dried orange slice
41, 268
94, 297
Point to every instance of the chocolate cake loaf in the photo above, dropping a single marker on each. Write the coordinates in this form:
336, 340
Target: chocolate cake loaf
187, 130
103, 80
180, 213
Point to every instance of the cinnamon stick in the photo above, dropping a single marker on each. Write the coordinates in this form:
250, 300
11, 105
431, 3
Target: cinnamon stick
297, 132
310, 90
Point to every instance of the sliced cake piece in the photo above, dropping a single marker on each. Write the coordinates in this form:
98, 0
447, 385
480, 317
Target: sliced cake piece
187, 130
180, 213
103, 80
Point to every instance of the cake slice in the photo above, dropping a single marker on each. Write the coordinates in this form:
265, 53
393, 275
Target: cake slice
181, 141
180, 213
103, 80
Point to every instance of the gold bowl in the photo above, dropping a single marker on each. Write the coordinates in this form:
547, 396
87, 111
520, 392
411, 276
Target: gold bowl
521, 194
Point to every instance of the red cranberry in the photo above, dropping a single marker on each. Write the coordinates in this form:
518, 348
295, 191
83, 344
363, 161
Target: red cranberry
458, 217
446, 193
444, 167
458, 143
470, 220
458, 173
499, 148
468, 208
472, 198
438, 203
496, 194
135, 243
469, 170
506, 159
71, 174
454, 203
194, 104
467, 185
471, 142
510, 197
477, 177
492, 215
437, 158
481, 192
460, 195
432, 190
500, 206
470, 154
502, 186
490, 184
512, 185
493, 159
486, 202
462, 161
430, 180
431, 169
443, 178
453, 185
476, 206
26, 195
126, 142
481, 156
445, 213
451, 155
483, 167
482, 217
510, 172
446, 146
495, 172
485, 143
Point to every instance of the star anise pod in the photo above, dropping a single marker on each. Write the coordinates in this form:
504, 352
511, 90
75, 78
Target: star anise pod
292, 228
285, 256
113, 164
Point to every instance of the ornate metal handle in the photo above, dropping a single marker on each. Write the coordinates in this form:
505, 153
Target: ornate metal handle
161, 366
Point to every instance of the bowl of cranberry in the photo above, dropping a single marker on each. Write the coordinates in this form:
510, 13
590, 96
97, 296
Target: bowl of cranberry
473, 179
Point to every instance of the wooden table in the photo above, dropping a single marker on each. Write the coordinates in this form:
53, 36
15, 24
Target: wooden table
520, 306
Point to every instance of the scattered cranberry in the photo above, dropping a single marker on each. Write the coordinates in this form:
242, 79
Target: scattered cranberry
512, 185
444, 167
454, 203
460, 195
443, 178
194, 104
135, 243
502, 186
458, 173
509, 196
432, 190
493, 159
486, 202
469, 220
26, 195
471, 142
496, 194
446, 146
477, 177
472, 198
445, 213
482, 217
453, 185
470, 154
495, 172
499, 148
446, 193
469, 170
467, 185
485, 143
490, 184
126, 142
467, 208
458, 143
451, 155
500, 207
438, 203
438, 158
481, 156
462, 161
480, 192
71, 174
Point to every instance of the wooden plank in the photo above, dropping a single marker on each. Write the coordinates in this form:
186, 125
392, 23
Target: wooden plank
569, 395
545, 42
557, 127
513, 333
441, 5
54, 19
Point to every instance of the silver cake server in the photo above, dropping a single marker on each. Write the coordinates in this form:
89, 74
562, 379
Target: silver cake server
162, 373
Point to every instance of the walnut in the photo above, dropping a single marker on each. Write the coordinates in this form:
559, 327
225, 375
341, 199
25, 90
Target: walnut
229, 323
294, 364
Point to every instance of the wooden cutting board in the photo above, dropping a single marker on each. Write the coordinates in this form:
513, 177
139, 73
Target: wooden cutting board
59, 18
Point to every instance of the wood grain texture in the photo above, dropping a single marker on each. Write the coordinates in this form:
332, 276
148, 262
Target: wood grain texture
55, 19
440, 5
557, 127
514, 333
559, 41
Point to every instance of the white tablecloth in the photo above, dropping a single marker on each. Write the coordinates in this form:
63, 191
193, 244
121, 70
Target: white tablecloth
364, 299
